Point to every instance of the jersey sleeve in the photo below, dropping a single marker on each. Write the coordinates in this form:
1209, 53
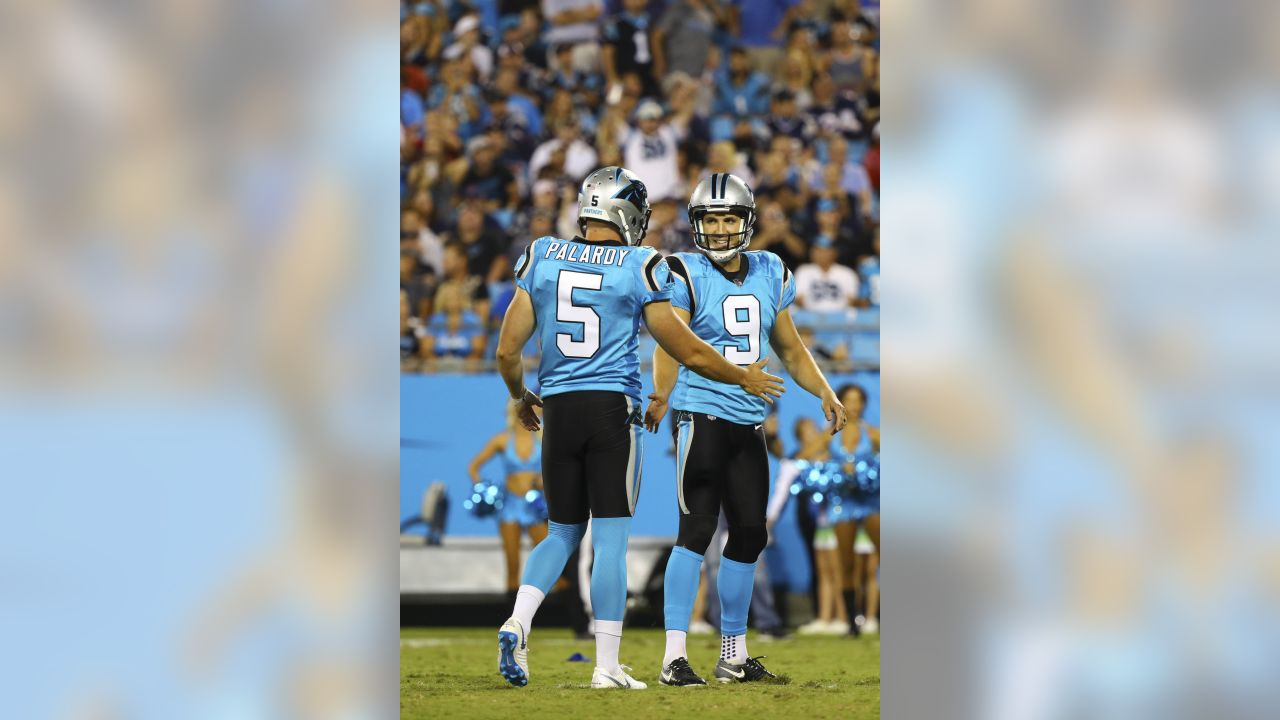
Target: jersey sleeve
524, 268
788, 283
655, 279
681, 285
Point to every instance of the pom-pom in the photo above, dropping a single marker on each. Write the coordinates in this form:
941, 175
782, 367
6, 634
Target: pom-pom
537, 503
485, 500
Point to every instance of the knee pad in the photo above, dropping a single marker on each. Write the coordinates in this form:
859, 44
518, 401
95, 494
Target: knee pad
746, 542
696, 531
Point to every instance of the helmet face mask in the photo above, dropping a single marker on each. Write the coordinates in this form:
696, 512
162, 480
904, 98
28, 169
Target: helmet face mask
614, 195
721, 233
713, 204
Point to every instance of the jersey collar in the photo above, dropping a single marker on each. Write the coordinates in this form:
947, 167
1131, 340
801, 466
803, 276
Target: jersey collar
739, 275
606, 243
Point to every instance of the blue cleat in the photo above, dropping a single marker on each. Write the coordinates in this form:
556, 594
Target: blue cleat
513, 653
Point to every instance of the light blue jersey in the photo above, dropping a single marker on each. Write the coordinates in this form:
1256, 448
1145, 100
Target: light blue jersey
734, 313
588, 298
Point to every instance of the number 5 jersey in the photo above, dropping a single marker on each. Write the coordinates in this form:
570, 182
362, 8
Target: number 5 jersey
588, 298
734, 313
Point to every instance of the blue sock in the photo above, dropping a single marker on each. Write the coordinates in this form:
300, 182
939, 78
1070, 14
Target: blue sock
546, 562
734, 582
609, 573
680, 587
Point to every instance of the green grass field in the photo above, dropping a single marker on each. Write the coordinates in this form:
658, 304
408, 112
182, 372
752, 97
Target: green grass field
453, 672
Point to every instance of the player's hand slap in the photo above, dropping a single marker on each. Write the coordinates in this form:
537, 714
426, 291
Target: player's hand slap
833, 409
655, 412
762, 384
528, 417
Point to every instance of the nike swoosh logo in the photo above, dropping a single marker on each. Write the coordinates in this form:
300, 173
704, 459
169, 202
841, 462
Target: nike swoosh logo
666, 676
740, 674
618, 682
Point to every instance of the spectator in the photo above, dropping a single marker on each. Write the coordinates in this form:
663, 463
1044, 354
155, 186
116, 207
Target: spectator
575, 23
411, 330
482, 246
740, 90
830, 221
845, 174
683, 37
869, 273
761, 27
417, 282
628, 47
852, 62
412, 109
785, 119
690, 127
834, 111
457, 95
774, 233
724, 158
871, 160
797, 78
486, 179
519, 105
455, 329
421, 35
822, 285
469, 287
429, 245
562, 106
466, 35
649, 151
583, 85
566, 152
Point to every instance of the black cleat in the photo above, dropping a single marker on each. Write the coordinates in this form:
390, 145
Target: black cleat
748, 671
679, 674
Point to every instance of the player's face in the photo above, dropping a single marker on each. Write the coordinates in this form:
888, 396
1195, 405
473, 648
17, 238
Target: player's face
720, 229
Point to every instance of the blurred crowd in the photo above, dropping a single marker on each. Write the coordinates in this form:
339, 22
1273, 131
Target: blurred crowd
505, 105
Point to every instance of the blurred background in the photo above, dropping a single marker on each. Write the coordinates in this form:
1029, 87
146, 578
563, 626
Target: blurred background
504, 109
198, 425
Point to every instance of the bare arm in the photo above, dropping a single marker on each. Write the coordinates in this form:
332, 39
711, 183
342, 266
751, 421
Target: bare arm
517, 327
798, 361
679, 341
665, 370
491, 448
610, 69
659, 53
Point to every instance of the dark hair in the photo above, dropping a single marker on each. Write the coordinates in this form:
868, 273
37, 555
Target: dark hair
844, 389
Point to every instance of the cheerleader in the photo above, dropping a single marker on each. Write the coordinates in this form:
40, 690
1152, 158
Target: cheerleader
520, 453
858, 440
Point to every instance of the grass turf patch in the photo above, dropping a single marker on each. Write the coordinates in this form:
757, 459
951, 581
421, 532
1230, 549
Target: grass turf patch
453, 672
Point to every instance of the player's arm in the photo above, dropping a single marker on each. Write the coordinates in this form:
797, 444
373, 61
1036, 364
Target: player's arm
517, 327
665, 371
680, 343
798, 361
491, 448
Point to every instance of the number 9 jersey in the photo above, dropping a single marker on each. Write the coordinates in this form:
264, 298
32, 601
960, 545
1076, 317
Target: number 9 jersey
734, 313
588, 298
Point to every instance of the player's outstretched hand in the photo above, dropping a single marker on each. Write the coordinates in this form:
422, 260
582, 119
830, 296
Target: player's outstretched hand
655, 412
762, 384
834, 411
525, 412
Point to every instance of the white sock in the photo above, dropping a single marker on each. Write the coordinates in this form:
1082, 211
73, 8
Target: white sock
675, 646
528, 598
608, 638
733, 648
